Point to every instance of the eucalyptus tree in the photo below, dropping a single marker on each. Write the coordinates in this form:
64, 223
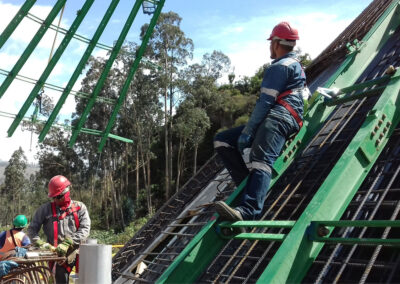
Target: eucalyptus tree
170, 47
15, 184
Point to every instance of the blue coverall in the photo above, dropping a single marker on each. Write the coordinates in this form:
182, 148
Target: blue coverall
269, 127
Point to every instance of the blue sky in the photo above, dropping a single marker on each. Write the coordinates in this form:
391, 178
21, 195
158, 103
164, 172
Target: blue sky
237, 28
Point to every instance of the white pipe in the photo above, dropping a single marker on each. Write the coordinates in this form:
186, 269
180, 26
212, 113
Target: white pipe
94, 263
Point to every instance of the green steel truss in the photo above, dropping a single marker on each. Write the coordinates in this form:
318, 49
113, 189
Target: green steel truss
301, 245
149, 7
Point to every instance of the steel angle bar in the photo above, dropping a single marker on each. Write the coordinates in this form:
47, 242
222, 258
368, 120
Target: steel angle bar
258, 224
31, 47
315, 226
50, 66
16, 21
297, 252
132, 72
106, 70
79, 68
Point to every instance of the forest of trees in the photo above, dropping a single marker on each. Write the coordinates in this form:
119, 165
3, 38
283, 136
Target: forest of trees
171, 113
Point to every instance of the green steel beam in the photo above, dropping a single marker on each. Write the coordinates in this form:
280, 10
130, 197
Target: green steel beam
31, 46
197, 255
79, 68
313, 235
50, 66
258, 224
365, 94
132, 72
296, 254
88, 41
106, 70
359, 241
260, 237
16, 21
359, 223
58, 88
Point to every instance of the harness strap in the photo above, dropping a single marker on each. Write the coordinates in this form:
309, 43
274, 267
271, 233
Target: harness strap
13, 238
72, 210
283, 103
55, 224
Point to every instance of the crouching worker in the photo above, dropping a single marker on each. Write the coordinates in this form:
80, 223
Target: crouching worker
277, 115
66, 224
14, 238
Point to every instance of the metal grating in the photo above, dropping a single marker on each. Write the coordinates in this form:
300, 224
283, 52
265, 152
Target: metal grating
173, 226
377, 199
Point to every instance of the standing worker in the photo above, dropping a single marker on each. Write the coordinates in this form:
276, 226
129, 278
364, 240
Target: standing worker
9, 240
65, 223
277, 115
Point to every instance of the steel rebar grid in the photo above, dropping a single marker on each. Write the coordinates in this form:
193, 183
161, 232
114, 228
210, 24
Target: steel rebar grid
180, 232
335, 259
164, 216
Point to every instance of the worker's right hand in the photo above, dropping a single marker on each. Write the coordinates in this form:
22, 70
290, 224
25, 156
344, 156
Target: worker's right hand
6, 266
244, 142
63, 248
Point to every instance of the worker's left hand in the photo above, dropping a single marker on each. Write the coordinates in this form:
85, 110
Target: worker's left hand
244, 142
20, 252
6, 266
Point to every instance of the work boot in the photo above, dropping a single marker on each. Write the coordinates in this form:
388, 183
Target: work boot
226, 213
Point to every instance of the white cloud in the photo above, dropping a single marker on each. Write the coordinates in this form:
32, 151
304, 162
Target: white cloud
316, 30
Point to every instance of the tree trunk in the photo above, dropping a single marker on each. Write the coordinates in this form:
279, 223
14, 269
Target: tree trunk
127, 170
91, 192
149, 184
167, 177
105, 206
113, 201
195, 159
137, 175
178, 168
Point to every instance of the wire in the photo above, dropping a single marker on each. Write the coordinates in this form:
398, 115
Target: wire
83, 39
58, 88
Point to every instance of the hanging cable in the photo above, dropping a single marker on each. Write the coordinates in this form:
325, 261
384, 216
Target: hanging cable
38, 103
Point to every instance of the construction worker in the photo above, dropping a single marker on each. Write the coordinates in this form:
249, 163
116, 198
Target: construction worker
277, 115
11, 239
65, 222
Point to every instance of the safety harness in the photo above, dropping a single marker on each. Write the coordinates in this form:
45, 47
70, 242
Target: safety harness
71, 210
283, 103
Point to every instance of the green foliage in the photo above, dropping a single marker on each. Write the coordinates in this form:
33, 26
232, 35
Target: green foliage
110, 238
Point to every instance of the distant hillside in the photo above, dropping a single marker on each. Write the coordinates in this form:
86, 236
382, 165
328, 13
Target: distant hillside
30, 169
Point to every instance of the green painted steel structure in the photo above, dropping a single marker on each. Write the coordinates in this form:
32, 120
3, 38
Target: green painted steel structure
105, 71
297, 251
149, 7
301, 245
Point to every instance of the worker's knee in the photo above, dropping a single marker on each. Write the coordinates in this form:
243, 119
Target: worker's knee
261, 167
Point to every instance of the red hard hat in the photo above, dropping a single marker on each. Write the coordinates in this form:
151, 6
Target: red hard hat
58, 185
283, 30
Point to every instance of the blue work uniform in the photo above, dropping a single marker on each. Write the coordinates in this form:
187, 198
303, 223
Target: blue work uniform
269, 127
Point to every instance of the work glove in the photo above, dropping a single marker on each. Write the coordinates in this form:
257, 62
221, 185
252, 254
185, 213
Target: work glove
6, 266
43, 245
63, 248
244, 142
20, 252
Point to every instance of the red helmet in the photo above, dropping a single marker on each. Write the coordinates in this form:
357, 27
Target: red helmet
283, 30
58, 185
